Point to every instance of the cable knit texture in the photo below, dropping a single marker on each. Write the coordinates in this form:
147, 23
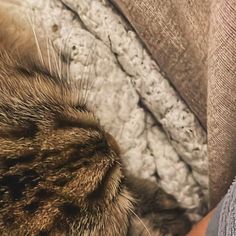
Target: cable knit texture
157, 133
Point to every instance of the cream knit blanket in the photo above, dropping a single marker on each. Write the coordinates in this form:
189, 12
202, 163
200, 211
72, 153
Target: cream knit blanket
157, 133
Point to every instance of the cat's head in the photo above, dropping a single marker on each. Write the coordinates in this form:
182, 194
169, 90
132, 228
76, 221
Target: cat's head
59, 170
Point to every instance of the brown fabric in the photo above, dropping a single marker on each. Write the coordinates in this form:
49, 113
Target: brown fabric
222, 98
176, 32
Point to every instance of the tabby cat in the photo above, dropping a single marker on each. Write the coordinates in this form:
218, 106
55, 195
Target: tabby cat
60, 171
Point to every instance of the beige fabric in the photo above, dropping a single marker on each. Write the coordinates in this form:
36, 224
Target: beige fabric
178, 37
222, 97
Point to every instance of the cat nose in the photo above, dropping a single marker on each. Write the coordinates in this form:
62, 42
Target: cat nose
112, 143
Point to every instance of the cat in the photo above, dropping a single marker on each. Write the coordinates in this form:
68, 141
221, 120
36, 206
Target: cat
61, 173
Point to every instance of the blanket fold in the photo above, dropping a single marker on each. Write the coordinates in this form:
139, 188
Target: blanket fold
196, 60
175, 32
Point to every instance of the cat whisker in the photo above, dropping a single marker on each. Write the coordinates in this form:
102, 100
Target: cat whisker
68, 56
90, 83
60, 60
30, 20
87, 88
48, 55
56, 62
145, 227
84, 81
51, 60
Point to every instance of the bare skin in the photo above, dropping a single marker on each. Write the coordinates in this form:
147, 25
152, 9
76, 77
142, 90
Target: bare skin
201, 227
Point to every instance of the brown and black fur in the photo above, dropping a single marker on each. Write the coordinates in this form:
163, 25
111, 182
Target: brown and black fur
60, 172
